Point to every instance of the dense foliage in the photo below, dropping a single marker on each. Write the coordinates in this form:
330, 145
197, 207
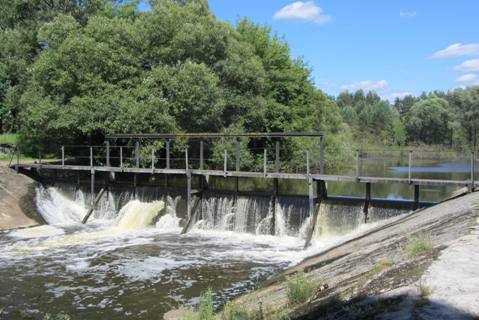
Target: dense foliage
72, 71
450, 119
73, 74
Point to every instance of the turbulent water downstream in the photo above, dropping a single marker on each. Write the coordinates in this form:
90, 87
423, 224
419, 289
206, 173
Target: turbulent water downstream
130, 260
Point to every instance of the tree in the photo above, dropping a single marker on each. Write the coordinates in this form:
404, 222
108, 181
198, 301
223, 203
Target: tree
429, 121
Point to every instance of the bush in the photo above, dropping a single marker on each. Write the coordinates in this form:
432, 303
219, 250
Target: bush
300, 289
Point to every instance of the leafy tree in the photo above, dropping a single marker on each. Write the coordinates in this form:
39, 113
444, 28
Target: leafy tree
429, 121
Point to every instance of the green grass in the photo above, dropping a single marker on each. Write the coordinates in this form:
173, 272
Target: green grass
205, 307
419, 245
300, 289
8, 138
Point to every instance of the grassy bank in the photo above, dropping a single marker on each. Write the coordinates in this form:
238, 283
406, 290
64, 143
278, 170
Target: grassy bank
8, 138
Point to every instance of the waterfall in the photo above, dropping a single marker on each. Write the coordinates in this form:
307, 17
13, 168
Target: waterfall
67, 205
138, 215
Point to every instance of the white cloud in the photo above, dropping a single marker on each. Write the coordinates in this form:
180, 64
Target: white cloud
302, 11
457, 50
469, 77
393, 95
366, 85
468, 66
407, 14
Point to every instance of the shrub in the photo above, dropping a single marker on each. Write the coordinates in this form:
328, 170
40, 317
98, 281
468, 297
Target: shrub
300, 289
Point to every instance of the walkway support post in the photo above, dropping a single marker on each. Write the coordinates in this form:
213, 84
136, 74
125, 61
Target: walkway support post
63, 157
94, 204
91, 157
358, 165
238, 150
473, 169
167, 153
153, 160
137, 153
321, 155
265, 163
225, 164
313, 212
121, 157
416, 196
277, 159
275, 187
107, 153
201, 155
367, 202
410, 167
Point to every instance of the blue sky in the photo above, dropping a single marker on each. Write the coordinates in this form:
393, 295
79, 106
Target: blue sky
392, 46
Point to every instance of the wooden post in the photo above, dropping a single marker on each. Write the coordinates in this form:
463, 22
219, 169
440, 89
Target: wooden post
168, 154
91, 157
265, 163
277, 163
121, 157
225, 165
473, 165
238, 150
107, 153
153, 160
410, 167
416, 196
63, 156
321, 193
357, 165
92, 208
321, 155
310, 185
201, 155
137, 153
187, 165
367, 202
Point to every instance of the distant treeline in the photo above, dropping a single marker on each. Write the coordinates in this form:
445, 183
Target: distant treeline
73, 71
438, 118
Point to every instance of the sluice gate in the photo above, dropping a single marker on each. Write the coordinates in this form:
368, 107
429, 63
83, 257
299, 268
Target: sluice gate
123, 160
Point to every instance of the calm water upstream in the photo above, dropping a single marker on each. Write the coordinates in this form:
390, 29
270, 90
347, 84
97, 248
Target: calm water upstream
131, 262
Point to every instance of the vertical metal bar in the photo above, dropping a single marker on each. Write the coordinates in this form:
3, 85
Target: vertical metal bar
225, 165
92, 187
137, 153
167, 153
277, 164
39, 157
188, 194
321, 155
238, 146
308, 167
201, 155
91, 157
472, 170
107, 153
410, 167
121, 157
265, 162
186, 160
153, 159
63, 156
357, 165
367, 202
416, 197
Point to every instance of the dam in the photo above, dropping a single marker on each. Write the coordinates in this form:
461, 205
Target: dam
163, 228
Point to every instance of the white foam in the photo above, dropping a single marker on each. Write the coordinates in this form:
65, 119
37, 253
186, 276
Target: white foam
37, 232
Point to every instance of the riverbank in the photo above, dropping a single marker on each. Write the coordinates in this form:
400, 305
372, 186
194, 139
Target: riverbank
419, 265
17, 200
